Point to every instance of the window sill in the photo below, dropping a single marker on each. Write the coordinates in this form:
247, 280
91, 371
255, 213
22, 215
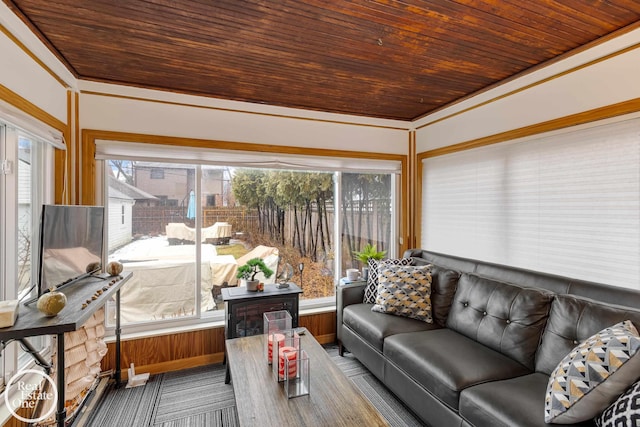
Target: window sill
305, 310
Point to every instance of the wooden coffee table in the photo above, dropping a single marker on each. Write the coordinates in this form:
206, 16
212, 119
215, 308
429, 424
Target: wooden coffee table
261, 401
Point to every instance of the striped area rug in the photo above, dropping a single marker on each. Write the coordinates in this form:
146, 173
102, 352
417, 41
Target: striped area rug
199, 397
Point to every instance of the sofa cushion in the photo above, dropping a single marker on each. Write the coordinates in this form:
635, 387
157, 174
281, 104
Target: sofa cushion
371, 290
502, 316
404, 291
445, 362
593, 375
625, 411
374, 327
512, 402
444, 283
573, 319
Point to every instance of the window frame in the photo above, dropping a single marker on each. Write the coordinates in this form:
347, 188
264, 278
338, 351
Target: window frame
148, 328
41, 191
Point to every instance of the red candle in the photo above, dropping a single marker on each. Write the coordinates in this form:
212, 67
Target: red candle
287, 360
279, 340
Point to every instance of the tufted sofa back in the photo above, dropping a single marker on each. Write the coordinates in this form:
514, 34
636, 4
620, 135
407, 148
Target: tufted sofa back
572, 320
529, 278
505, 317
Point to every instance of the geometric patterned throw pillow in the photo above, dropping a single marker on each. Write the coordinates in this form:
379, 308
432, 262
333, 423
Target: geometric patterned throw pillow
624, 412
371, 290
405, 291
593, 375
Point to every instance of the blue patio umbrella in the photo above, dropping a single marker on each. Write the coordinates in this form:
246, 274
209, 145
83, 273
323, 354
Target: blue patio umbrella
191, 207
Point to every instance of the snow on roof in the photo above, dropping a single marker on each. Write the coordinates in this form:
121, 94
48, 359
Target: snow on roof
128, 190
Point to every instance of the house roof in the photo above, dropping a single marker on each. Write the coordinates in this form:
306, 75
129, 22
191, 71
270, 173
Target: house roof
121, 188
376, 58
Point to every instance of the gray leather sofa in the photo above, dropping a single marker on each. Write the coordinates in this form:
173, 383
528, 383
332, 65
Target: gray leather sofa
497, 335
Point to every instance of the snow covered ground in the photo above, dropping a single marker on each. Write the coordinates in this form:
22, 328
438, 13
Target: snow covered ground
138, 248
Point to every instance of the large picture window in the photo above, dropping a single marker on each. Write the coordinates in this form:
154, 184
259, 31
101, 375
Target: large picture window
185, 236
566, 203
25, 185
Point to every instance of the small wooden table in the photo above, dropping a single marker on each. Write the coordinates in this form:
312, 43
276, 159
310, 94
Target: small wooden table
333, 399
244, 309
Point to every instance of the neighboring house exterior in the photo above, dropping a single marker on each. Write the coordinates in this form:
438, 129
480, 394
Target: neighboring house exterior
171, 184
122, 197
212, 186
24, 190
26, 232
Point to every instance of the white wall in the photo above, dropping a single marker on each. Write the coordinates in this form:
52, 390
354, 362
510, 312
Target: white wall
24, 76
592, 81
160, 113
120, 234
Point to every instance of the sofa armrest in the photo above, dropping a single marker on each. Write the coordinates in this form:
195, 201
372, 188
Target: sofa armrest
352, 293
412, 253
346, 295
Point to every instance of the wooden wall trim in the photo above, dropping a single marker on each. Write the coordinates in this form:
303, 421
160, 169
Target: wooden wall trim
596, 114
410, 239
31, 55
190, 349
30, 108
418, 215
89, 137
77, 152
237, 110
602, 113
93, 135
61, 157
86, 162
538, 82
64, 160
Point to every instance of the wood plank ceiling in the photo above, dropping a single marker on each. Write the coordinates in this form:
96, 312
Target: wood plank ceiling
376, 58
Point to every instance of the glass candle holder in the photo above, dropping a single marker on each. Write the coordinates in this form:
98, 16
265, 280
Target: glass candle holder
289, 342
275, 341
296, 371
275, 323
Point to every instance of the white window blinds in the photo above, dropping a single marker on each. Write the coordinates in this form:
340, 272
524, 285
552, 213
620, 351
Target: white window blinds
120, 150
566, 203
21, 120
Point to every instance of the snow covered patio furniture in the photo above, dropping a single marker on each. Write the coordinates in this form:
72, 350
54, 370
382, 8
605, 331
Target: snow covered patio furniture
162, 284
218, 234
181, 234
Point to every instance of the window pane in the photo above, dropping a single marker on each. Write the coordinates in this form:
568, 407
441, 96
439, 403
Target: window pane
286, 214
286, 218
163, 266
219, 252
367, 216
31, 176
25, 214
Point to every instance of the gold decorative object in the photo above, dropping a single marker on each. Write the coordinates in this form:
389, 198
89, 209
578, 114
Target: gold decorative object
92, 267
52, 303
114, 268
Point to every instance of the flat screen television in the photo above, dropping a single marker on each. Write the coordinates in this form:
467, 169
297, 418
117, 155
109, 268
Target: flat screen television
71, 244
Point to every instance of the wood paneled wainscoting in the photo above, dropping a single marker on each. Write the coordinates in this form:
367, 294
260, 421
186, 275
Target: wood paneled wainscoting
183, 350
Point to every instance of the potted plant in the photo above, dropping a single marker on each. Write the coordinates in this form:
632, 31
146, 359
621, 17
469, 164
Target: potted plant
247, 273
368, 252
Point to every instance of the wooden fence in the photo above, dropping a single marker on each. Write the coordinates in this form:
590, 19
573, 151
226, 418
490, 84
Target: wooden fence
152, 220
